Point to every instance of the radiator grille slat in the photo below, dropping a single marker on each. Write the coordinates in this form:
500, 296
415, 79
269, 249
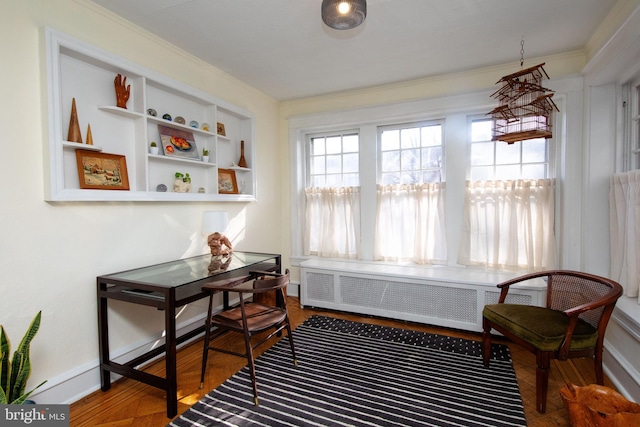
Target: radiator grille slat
320, 286
443, 302
492, 297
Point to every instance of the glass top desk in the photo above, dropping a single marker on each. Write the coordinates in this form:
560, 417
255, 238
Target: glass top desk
167, 286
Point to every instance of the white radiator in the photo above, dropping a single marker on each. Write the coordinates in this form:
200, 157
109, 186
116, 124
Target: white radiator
443, 296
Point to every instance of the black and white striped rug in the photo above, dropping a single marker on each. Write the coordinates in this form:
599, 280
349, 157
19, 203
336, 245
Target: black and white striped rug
356, 374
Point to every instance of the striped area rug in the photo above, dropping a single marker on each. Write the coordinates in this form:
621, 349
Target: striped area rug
356, 374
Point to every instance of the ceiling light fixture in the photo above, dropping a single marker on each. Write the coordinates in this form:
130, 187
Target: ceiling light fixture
344, 14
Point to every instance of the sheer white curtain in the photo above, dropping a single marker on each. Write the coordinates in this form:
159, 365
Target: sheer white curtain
509, 225
332, 226
624, 206
410, 223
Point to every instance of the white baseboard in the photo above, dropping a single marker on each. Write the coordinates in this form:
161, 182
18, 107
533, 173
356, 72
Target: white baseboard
83, 380
622, 374
293, 290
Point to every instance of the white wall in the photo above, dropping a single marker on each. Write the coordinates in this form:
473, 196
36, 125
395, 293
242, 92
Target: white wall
51, 253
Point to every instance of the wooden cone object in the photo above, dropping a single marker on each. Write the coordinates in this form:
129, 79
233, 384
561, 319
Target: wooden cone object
74, 126
89, 136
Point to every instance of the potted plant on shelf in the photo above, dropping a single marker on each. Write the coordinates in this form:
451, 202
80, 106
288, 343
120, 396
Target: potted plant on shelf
205, 155
182, 183
153, 148
15, 373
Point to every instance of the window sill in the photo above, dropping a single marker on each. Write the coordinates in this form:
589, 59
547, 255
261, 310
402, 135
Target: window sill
441, 273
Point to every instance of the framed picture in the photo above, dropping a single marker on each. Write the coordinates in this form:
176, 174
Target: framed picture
178, 143
221, 130
227, 183
102, 171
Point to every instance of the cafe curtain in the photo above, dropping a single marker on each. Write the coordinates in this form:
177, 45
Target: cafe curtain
509, 225
410, 223
624, 206
332, 223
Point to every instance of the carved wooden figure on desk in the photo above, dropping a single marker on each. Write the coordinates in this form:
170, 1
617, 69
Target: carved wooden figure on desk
122, 91
219, 244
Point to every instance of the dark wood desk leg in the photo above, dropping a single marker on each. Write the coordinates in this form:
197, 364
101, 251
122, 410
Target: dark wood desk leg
225, 301
170, 356
103, 337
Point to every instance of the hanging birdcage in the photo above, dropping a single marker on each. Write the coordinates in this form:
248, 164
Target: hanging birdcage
525, 107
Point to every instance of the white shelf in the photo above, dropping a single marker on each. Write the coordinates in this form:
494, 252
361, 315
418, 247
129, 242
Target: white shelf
176, 160
121, 111
175, 125
76, 70
79, 146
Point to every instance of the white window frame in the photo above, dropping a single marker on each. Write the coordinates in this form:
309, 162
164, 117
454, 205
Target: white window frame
326, 135
631, 126
550, 154
402, 126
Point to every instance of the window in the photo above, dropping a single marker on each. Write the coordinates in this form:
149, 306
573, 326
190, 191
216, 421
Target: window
411, 154
509, 204
333, 160
634, 126
332, 221
410, 215
393, 185
497, 160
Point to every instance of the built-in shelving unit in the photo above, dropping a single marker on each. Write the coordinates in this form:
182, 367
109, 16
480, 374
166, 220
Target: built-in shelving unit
76, 70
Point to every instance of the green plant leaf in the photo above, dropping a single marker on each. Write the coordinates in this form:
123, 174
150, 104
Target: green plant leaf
25, 396
16, 374
23, 347
5, 349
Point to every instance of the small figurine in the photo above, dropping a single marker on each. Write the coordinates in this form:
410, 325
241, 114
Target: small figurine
122, 91
219, 244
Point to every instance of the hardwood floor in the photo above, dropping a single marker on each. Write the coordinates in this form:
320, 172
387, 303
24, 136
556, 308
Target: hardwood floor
130, 403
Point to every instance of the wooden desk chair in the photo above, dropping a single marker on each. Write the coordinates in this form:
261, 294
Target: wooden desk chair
572, 324
249, 317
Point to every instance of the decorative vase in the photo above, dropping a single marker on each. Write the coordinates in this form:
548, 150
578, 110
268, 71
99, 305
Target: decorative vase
242, 162
153, 150
205, 159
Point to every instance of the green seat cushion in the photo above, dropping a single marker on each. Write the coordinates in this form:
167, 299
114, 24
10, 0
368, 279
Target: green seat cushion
542, 327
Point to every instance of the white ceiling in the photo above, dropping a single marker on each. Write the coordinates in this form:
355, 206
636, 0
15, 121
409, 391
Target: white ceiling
282, 47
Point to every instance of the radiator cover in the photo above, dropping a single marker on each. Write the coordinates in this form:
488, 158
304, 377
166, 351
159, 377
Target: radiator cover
408, 293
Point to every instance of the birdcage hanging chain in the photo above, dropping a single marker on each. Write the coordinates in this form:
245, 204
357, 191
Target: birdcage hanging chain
522, 52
